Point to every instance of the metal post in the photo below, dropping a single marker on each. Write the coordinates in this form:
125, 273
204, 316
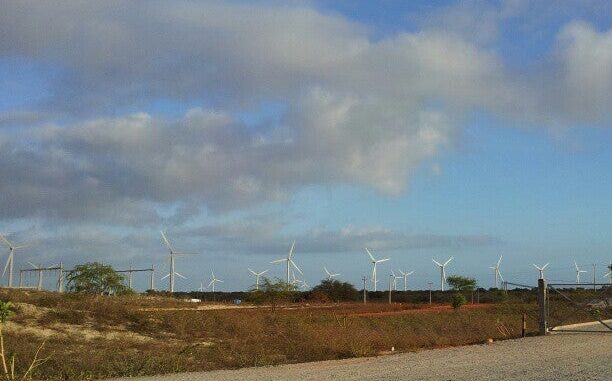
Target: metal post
390, 287
152, 278
130, 278
430, 284
20, 278
364, 289
594, 280
543, 307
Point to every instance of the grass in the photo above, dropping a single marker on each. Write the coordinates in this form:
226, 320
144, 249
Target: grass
96, 337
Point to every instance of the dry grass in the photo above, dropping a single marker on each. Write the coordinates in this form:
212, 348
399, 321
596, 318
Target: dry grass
96, 337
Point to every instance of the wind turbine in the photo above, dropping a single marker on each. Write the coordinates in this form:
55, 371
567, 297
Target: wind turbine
11, 258
442, 271
374, 263
213, 281
578, 272
395, 278
201, 286
541, 269
609, 273
330, 276
289, 262
405, 276
172, 255
257, 275
498, 275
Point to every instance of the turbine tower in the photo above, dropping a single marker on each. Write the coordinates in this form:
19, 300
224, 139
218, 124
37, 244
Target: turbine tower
578, 272
498, 275
374, 263
172, 256
213, 281
541, 269
289, 262
609, 273
405, 276
442, 271
257, 275
330, 276
11, 258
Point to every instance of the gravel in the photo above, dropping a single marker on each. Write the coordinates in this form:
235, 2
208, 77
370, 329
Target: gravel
567, 357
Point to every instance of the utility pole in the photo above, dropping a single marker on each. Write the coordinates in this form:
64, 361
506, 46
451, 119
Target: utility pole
430, 285
364, 288
594, 280
543, 307
390, 287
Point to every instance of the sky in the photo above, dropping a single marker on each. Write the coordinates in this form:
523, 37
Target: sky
417, 129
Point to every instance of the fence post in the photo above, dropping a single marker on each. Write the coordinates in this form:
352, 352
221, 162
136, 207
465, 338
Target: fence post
364, 289
543, 307
524, 329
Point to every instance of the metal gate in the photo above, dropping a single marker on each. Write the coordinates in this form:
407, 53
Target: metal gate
566, 307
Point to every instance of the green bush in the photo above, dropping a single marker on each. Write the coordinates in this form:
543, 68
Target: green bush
336, 290
457, 300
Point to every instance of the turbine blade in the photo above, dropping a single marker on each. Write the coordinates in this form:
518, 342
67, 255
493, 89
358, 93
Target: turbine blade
180, 275
32, 264
164, 277
449, 260
252, 272
211, 283
296, 267
500, 259
8, 243
383, 260
280, 260
545, 266
410, 273
576, 264
219, 280
165, 239
500, 275
8, 260
436, 262
370, 254
327, 272
291, 250
263, 272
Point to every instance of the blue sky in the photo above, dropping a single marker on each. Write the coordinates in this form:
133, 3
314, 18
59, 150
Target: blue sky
418, 129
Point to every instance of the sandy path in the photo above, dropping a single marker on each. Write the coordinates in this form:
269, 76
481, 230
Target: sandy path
567, 357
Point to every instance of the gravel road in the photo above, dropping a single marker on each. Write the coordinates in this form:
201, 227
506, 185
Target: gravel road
566, 356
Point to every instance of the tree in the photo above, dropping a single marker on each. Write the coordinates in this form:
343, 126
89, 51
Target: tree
96, 278
337, 290
461, 283
457, 300
272, 293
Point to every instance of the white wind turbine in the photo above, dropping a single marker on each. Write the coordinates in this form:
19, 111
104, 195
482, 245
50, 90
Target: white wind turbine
330, 275
442, 271
11, 258
541, 269
172, 255
289, 262
257, 275
395, 278
405, 276
213, 281
578, 272
498, 275
374, 263
201, 286
609, 273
